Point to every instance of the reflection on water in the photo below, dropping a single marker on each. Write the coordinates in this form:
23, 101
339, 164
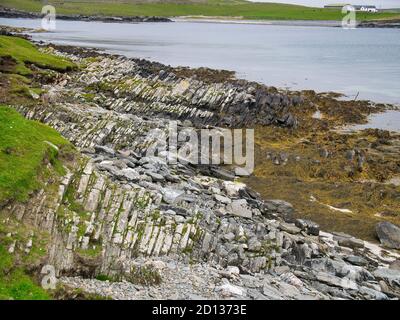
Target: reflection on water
319, 58
389, 120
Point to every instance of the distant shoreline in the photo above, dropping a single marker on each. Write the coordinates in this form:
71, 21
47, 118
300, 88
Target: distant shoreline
233, 20
14, 13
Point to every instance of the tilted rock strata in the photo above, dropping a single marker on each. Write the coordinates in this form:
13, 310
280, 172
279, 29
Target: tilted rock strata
118, 208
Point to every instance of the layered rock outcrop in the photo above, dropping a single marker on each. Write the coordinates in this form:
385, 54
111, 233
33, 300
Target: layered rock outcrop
118, 208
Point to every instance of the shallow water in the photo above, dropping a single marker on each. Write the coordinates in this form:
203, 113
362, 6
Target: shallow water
319, 58
389, 120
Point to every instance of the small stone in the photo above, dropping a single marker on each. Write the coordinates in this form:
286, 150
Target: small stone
254, 245
229, 236
229, 290
130, 174
232, 188
336, 281
171, 196
242, 172
281, 270
289, 228
103, 149
156, 264
352, 243
155, 176
356, 260
222, 199
233, 270
239, 208
308, 226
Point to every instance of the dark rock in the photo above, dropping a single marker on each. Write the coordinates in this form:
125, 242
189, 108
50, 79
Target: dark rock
289, 228
356, 260
350, 154
222, 174
103, 149
308, 226
387, 274
351, 243
388, 234
299, 252
273, 208
178, 210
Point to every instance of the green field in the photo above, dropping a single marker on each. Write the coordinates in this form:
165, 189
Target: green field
209, 8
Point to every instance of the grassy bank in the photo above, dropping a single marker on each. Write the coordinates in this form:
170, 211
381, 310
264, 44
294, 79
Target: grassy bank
15, 284
24, 149
31, 154
219, 8
25, 146
23, 53
22, 66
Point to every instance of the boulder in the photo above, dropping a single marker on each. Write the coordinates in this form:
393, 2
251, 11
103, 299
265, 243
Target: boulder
129, 174
279, 208
289, 228
388, 234
229, 290
331, 280
242, 172
308, 226
155, 176
232, 188
356, 260
351, 242
222, 199
170, 195
239, 208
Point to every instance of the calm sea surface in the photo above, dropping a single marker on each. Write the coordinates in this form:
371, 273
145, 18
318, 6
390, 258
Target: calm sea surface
319, 58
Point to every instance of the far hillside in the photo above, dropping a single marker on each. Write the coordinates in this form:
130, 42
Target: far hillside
195, 8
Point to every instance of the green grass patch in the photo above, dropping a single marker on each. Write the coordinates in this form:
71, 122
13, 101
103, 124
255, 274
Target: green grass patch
24, 149
104, 277
216, 8
92, 252
24, 53
15, 284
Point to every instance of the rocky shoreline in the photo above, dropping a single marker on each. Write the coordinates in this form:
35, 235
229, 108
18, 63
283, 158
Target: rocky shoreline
130, 226
13, 13
394, 23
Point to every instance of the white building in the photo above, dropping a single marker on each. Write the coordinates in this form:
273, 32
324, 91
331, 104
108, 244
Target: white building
361, 8
372, 9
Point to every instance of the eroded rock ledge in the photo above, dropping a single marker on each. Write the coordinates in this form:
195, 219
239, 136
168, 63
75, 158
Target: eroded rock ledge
117, 210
